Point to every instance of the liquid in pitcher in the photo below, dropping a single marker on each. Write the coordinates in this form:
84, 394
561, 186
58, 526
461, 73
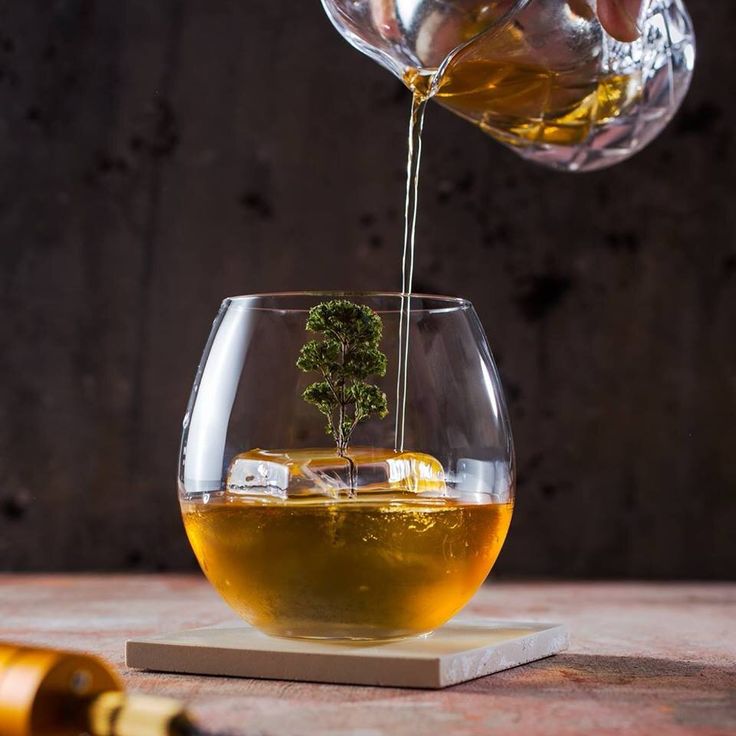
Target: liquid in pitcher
520, 102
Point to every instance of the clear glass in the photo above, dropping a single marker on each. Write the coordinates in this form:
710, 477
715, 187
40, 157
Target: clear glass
383, 542
540, 76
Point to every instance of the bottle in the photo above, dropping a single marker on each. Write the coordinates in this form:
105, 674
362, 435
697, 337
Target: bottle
46, 692
540, 76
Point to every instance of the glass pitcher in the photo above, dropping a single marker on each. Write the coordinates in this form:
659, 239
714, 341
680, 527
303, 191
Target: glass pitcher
540, 76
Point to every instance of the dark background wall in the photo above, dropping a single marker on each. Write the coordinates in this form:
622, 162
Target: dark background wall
158, 156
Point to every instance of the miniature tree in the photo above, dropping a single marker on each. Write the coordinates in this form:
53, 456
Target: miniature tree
346, 356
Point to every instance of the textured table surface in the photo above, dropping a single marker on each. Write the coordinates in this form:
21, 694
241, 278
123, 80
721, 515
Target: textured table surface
654, 659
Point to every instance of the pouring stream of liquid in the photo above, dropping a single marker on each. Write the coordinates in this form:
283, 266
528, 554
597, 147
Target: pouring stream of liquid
416, 122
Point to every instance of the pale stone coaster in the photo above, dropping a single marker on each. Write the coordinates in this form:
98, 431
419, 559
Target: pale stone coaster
463, 649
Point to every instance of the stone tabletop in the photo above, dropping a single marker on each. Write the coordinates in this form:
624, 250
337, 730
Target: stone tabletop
645, 658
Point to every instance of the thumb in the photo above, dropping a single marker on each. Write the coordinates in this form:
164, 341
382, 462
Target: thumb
620, 18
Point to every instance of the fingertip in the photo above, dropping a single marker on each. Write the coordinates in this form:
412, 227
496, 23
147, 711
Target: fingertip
619, 18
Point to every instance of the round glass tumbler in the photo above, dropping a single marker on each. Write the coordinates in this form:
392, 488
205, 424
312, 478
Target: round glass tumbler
374, 539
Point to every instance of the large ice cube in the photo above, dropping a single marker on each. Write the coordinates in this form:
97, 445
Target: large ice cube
308, 471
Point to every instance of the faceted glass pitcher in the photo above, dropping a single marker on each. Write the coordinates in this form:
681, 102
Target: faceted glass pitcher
387, 537
540, 76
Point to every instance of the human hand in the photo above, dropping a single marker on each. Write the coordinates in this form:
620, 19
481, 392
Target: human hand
619, 18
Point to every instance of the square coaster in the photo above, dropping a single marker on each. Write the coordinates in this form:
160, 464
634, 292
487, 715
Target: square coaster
463, 649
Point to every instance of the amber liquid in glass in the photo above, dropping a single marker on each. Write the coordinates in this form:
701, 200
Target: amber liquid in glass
390, 565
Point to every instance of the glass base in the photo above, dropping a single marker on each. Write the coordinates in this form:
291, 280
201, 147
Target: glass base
345, 634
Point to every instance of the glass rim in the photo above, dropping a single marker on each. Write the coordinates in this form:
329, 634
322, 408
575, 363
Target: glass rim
437, 302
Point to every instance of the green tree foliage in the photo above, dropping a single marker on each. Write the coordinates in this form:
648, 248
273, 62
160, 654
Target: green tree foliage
345, 357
